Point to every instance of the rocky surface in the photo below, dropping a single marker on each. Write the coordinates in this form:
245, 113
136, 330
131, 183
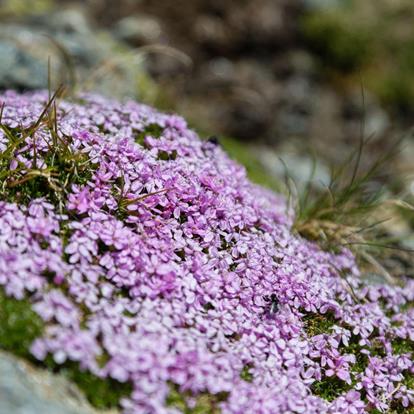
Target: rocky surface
25, 389
79, 54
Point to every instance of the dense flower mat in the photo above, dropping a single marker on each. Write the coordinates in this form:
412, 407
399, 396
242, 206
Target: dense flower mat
153, 261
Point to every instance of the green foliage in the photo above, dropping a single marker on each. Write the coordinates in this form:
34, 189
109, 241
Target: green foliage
203, 403
102, 393
367, 40
153, 130
19, 325
245, 373
316, 323
330, 388
361, 362
398, 408
167, 156
338, 40
349, 196
402, 346
21, 8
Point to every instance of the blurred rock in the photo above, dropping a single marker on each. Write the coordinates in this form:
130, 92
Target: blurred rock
138, 30
246, 117
221, 70
365, 112
69, 21
212, 32
19, 69
300, 169
28, 390
252, 74
78, 52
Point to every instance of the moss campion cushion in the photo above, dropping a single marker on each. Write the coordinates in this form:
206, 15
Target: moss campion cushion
153, 261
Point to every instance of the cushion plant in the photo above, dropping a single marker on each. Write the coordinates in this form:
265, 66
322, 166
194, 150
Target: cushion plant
140, 261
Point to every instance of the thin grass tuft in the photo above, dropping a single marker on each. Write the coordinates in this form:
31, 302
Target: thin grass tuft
349, 211
52, 171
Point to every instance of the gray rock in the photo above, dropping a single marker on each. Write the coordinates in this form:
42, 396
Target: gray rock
25, 389
138, 30
19, 68
70, 21
301, 169
100, 62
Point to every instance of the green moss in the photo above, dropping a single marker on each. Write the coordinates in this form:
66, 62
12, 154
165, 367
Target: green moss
19, 8
153, 130
329, 388
19, 325
409, 380
316, 323
167, 156
203, 403
403, 410
370, 41
402, 346
245, 373
337, 39
361, 359
407, 306
102, 393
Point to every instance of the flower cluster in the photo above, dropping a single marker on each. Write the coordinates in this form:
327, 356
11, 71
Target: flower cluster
157, 271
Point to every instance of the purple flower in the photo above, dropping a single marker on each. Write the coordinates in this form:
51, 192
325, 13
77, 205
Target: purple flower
160, 262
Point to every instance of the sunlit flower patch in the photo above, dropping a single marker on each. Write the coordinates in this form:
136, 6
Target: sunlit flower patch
153, 261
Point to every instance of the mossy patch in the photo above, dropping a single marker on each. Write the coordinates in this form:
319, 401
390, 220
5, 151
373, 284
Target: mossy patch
367, 40
337, 40
24, 185
246, 374
402, 346
20, 326
203, 403
153, 130
398, 408
330, 388
167, 155
102, 393
316, 323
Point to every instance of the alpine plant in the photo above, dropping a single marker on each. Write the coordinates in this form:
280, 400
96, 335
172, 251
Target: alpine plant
153, 261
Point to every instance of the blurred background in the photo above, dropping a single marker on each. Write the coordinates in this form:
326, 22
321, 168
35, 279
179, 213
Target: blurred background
296, 79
